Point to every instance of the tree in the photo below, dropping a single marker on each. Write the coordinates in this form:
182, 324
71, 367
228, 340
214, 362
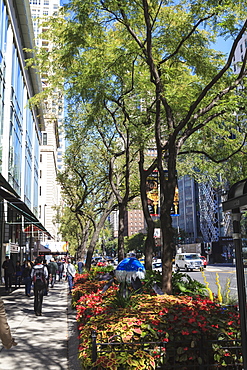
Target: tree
154, 61
74, 231
136, 243
86, 191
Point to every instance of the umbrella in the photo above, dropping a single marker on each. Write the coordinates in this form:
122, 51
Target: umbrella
130, 269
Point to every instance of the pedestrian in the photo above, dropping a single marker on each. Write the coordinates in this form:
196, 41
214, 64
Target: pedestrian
52, 268
9, 270
5, 333
18, 273
65, 264
60, 267
26, 276
46, 290
80, 266
39, 277
71, 271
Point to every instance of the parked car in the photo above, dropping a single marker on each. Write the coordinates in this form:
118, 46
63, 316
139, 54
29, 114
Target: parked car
142, 260
204, 261
96, 260
157, 266
188, 261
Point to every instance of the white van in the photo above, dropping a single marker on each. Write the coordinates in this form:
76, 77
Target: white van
188, 261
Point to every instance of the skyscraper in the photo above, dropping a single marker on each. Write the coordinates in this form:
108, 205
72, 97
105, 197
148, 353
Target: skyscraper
53, 142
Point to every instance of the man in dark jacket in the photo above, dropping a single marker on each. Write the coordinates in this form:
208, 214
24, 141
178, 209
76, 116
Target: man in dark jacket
39, 275
52, 268
9, 270
60, 269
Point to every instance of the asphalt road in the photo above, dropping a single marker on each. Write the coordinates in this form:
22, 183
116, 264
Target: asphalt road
224, 273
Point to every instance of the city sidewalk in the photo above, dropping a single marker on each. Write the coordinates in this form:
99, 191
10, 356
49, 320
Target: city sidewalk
47, 342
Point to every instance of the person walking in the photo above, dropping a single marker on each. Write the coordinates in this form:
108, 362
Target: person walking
60, 267
39, 275
80, 266
52, 268
18, 274
71, 271
5, 333
26, 276
46, 290
9, 270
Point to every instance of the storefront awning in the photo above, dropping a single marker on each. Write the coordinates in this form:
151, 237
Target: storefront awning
23, 209
5, 184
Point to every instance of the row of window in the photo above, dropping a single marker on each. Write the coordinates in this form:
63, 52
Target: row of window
39, 2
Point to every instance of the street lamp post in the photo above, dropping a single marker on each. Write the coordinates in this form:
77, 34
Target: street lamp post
237, 203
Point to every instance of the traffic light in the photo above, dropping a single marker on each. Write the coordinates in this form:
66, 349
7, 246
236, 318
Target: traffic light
209, 248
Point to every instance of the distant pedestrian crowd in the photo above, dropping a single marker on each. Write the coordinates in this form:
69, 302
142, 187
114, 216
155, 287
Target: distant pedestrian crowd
39, 276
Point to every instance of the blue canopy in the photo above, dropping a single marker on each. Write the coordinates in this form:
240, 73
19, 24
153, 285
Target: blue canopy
130, 268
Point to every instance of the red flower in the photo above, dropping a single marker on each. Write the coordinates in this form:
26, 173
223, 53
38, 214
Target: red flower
185, 332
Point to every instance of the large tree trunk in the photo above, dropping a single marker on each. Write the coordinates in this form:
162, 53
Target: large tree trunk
122, 210
81, 250
149, 242
167, 191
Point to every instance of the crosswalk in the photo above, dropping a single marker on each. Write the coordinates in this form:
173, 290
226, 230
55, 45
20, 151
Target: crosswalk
222, 269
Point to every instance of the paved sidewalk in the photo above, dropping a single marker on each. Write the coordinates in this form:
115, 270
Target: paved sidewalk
47, 342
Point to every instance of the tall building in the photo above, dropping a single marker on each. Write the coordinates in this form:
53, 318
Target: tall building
20, 134
53, 142
188, 218
134, 222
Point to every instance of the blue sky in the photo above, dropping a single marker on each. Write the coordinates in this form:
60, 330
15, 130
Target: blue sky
223, 45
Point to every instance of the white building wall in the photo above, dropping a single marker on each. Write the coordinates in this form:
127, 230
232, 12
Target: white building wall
53, 142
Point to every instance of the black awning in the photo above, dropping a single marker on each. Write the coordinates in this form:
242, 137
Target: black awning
6, 185
23, 209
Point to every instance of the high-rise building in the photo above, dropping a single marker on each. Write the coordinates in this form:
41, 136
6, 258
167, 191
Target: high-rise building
134, 222
53, 142
188, 218
20, 133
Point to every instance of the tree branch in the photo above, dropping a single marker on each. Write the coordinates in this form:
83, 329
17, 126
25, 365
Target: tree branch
212, 158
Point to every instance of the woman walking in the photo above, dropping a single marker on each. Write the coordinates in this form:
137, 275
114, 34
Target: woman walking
26, 275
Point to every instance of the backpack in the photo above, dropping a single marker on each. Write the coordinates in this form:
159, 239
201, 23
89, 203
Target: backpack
39, 276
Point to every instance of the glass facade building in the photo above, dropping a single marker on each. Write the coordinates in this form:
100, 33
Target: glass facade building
20, 128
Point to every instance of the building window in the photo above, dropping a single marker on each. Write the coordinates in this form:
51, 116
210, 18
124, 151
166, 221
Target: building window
40, 190
46, 2
40, 174
40, 158
241, 48
39, 211
44, 136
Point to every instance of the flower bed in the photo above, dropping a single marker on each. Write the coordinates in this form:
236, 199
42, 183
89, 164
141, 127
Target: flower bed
164, 318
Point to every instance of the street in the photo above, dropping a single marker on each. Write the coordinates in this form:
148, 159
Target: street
224, 272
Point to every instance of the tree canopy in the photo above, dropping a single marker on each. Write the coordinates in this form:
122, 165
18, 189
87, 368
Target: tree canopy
146, 72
